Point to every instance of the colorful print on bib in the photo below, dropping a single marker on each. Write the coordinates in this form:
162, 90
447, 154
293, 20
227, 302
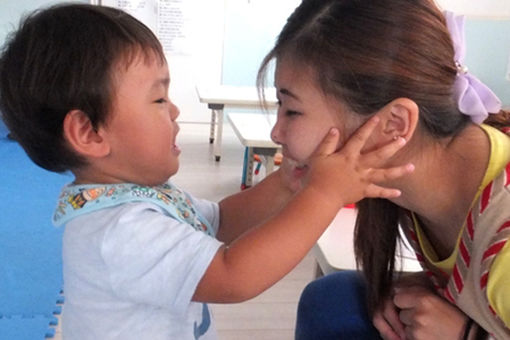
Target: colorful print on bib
76, 200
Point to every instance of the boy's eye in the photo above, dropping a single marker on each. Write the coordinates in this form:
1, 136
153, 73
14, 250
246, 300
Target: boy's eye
160, 101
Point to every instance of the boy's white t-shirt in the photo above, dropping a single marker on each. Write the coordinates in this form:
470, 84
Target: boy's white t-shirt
130, 272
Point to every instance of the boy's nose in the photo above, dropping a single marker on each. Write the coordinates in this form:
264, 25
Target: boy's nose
174, 111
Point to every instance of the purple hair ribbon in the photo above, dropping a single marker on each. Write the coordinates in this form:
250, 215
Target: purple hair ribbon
473, 97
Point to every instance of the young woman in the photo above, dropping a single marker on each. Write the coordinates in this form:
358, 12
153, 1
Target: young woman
339, 63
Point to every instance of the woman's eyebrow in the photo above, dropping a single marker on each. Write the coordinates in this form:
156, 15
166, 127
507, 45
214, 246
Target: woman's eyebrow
289, 93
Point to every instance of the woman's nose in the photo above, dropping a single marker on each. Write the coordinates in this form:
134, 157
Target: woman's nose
276, 134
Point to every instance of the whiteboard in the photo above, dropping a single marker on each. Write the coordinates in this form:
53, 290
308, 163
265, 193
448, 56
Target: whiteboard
172, 21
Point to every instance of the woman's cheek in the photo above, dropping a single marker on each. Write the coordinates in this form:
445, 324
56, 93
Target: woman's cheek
309, 147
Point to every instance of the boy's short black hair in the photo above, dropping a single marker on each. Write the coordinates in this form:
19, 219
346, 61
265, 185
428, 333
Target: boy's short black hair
61, 59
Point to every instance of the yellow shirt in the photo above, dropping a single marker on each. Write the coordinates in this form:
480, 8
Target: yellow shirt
498, 286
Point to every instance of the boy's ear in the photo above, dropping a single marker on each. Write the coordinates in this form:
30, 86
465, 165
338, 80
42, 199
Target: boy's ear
399, 119
83, 138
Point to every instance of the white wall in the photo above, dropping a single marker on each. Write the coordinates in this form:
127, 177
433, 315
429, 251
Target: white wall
478, 8
12, 11
251, 29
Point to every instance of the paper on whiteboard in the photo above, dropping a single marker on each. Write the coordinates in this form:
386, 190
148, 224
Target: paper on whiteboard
175, 24
170, 20
144, 10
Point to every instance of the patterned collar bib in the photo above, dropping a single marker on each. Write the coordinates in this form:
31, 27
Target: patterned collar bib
76, 200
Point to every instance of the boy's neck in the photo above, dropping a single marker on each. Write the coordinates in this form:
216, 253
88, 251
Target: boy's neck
87, 175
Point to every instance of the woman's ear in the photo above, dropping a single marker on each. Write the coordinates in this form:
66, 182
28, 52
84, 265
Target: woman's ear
399, 119
83, 137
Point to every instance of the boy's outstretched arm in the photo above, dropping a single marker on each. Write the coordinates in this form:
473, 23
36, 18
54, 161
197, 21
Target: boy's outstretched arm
264, 254
245, 209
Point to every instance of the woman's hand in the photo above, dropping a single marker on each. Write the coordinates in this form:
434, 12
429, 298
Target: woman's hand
388, 323
427, 316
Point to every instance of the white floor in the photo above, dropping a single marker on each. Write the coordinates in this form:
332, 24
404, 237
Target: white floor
270, 316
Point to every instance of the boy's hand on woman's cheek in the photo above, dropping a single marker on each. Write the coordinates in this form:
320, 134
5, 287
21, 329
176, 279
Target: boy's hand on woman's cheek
348, 175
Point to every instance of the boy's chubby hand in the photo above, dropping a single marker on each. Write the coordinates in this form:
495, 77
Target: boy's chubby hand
348, 175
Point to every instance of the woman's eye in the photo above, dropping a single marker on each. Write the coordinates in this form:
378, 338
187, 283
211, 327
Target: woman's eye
291, 113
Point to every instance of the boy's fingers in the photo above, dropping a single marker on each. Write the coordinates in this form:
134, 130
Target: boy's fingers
360, 137
328, 144
381, 155
382, 175
376, 191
